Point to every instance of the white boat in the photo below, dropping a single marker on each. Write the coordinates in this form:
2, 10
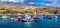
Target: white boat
12, 18
5, 17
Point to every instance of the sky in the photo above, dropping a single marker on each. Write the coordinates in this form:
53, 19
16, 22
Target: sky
12, 0
42, 2
25, 0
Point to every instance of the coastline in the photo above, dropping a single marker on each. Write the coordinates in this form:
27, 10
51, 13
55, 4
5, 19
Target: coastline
20, 9
25, 14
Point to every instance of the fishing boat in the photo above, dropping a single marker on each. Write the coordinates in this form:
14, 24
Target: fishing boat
31, 20
28, 19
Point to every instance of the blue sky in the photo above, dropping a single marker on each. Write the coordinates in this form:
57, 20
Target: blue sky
12, 0
42, 2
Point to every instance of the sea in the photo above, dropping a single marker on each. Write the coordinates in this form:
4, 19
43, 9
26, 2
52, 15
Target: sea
40, 23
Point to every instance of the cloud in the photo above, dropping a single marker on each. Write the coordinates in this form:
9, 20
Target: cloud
21, 1
13, 1
30, 3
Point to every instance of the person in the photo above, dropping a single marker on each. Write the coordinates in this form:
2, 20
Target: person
29, 18
43, 16
19, 18
49, 17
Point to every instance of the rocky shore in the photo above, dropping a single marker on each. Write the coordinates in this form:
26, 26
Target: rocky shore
5, 10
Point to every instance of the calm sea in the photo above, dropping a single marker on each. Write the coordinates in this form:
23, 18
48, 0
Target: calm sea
41, 23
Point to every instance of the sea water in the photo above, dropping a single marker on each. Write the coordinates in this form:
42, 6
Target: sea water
44, 23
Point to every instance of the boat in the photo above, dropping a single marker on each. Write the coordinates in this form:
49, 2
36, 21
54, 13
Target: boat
28, 19
31, 20
5, 17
